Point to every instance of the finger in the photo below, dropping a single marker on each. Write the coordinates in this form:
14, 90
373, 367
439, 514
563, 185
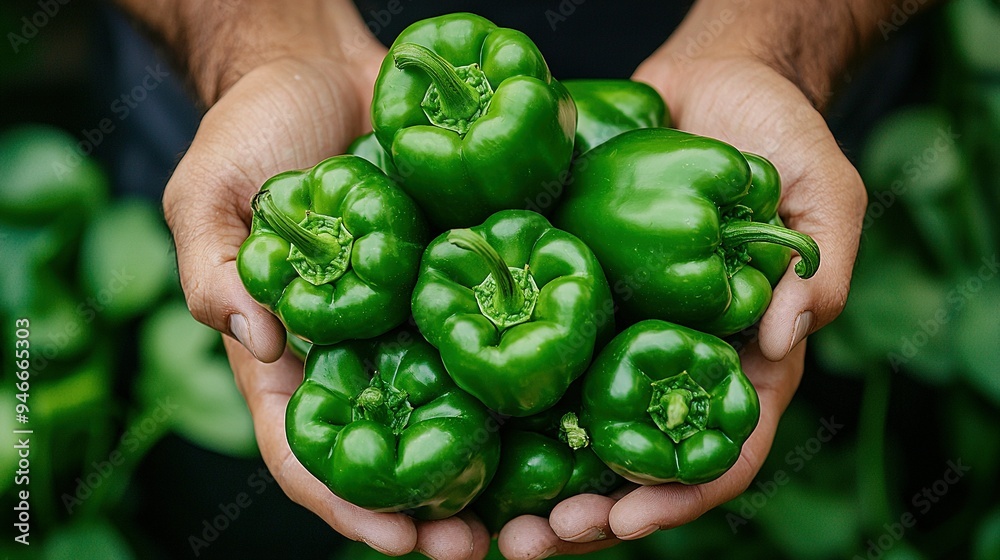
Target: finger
261, 126
651, 508
582, 519
529, 537
453, 538
828, 203
267, 389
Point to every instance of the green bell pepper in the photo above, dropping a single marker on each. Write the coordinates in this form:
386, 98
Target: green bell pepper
607, 108
333, 250
384, 427
472, 112
516, 307
546, 458
664, 212
665, 403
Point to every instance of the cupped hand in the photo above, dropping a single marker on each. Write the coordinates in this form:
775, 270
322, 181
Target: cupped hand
289, 113
741, 100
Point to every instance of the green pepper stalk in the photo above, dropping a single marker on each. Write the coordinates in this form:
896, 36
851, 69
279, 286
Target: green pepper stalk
508, 295
452, 101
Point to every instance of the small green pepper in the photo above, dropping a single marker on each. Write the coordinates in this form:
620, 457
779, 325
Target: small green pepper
607, 108
516, 307
384, 427
666, 403
472, 112
545, 460
333, 250
664, 212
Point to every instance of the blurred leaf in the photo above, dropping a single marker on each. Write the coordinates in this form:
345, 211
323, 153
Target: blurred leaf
88, 540
978, 331
896, 313
912, 152
975, 433
126, 263
987, 540
183, 367
973, 25
902, 550
811, 521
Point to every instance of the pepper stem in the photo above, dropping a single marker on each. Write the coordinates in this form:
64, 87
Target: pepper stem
459, 100
571, 432
317, 247
507, 296
381, 402
676, 403
320, 245
739, 232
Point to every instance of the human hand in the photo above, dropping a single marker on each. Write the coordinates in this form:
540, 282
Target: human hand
285, 89
731, 91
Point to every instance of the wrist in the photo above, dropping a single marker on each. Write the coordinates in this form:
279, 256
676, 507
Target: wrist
216, 43
809, 42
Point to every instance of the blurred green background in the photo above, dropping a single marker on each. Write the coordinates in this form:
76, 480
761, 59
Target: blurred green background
890, 449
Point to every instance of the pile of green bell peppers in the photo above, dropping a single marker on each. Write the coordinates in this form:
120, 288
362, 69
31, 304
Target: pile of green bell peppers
545, 357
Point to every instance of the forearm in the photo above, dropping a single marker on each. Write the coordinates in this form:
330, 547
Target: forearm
215, 42
810, 42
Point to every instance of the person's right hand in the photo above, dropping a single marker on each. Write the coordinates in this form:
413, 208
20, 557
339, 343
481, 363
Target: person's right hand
284, 102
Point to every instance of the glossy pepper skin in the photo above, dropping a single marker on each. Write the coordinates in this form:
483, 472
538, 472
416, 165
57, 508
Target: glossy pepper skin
663, 211
607, 108
384, 427
516, 308
665, 403
546, 458
333, 250
488, 136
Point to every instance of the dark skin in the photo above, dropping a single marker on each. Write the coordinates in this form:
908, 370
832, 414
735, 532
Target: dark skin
268, 73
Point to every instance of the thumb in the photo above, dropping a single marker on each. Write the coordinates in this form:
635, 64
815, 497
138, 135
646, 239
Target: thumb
207, 212
828, 203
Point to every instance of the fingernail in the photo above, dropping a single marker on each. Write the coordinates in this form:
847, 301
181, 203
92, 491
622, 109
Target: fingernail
642, 533
590, 535
803, 324
240, 328
545, 553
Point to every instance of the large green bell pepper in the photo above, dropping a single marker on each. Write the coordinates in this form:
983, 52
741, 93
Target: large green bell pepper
607, 108
664, 212
666, 403
546, 458
384, 427
516, 307
472, 112
333, 250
